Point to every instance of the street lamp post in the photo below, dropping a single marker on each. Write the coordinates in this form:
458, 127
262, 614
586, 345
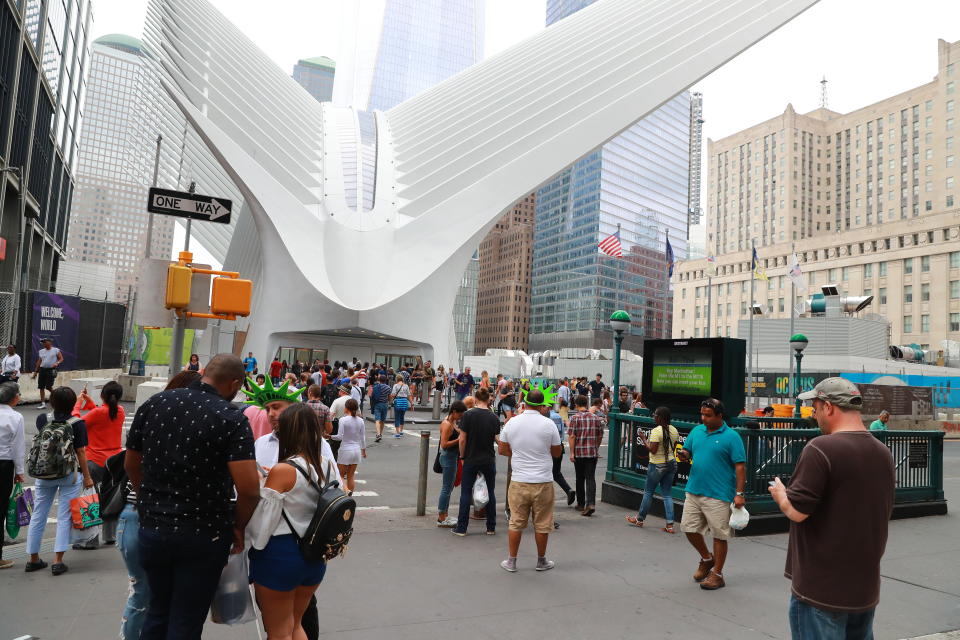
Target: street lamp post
619, 322
798, 342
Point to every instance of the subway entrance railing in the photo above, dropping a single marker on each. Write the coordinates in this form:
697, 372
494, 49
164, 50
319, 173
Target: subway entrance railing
773, 452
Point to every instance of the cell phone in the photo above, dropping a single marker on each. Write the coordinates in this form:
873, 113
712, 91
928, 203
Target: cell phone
772, 483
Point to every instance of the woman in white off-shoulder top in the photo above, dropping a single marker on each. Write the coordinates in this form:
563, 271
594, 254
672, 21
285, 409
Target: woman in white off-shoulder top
283, 580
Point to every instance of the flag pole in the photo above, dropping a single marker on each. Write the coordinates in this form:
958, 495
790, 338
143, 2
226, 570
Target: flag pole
793, 302
753, 273
667, 325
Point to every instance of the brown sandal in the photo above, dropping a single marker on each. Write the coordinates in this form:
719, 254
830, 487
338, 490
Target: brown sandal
633, 521
668, 529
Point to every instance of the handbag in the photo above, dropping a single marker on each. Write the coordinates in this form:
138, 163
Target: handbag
437, 467
232, 603
85, 510
459, 478
12, 522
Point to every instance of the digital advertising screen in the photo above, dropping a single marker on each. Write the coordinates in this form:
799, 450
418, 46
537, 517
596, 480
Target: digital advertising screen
683, 370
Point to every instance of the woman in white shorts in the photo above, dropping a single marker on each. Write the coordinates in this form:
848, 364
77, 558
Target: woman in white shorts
353, 443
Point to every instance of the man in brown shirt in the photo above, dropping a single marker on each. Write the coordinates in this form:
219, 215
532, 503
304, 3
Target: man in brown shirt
839, 501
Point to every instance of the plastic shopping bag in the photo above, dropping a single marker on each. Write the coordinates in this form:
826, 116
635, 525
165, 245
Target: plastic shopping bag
739, 518
85, 510
232, 603
25, 507
480, 495
12, 522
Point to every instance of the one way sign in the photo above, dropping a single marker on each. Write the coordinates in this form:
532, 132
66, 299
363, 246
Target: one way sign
189, 205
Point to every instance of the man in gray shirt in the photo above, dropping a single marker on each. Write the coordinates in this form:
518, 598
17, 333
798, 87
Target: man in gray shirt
48, 359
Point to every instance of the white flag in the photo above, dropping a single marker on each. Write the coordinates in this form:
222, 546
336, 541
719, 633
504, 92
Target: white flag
796, 274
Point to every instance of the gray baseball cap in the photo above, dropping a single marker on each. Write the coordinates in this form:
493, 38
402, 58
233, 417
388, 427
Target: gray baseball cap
838, 392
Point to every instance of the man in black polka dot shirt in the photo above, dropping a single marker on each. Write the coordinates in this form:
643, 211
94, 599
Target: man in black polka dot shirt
187, 451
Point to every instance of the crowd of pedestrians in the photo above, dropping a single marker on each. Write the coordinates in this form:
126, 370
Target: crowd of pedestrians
201, 478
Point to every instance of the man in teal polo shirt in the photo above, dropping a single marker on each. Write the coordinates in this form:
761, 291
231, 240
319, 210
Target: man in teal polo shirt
717, 477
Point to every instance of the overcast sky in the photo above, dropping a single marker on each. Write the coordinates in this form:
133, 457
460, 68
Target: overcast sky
867, 49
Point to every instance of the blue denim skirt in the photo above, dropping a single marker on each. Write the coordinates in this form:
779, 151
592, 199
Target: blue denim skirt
281, 567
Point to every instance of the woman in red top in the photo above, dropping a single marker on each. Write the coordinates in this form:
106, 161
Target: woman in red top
104, 431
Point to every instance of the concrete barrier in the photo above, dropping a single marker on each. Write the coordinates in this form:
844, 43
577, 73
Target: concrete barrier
92, 385
147, 389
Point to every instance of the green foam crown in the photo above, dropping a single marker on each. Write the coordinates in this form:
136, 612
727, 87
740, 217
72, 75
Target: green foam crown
262, 396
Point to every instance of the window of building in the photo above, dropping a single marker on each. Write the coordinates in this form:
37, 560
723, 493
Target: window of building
949, 201
882, 294
907, 263
868, 271
928, 105
950, 182
954, 259
949, 106
955, 322
925, 323
908, 293
883, 265
925, 264
955, 289
925, 292
908, 324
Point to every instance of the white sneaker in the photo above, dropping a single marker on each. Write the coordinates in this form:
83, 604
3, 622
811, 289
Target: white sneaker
41, 406
447, 523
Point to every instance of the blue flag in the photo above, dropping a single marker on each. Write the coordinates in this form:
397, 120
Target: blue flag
669, 259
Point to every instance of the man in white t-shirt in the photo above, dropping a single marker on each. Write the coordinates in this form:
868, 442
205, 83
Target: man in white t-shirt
532, 441
48, 359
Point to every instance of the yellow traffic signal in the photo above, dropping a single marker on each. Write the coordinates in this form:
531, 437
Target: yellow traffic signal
231, 296
178, 287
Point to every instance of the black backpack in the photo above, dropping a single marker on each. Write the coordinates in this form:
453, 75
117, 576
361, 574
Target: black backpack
329, 531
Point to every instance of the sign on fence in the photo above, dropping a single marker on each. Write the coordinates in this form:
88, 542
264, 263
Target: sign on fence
56, 317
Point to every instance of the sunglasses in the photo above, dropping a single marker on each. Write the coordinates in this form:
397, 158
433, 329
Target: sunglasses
710, 403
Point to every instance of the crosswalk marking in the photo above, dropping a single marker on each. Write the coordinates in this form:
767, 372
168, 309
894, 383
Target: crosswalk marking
365, 494
371, 508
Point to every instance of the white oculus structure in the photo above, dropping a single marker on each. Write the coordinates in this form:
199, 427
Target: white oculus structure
328, 260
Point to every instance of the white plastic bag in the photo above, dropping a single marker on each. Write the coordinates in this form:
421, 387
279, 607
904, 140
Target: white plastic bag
480, 495
739, 518
232, 603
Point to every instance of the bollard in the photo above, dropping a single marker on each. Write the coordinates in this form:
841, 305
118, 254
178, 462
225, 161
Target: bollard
436, 406
422, 484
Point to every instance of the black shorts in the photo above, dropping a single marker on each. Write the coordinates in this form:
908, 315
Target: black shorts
46, 378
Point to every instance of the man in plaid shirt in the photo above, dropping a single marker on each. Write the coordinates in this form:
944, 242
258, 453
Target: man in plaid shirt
586, 434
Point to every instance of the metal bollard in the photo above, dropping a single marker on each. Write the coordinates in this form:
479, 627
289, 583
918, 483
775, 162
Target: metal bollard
422, 483
436, 405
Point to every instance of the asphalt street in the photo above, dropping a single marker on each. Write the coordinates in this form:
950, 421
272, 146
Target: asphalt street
404, 578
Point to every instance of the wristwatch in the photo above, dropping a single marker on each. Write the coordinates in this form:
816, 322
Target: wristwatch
740, 493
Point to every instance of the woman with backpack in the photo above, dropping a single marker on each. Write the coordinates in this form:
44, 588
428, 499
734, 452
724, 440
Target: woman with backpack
662, 468
401, 402
353, 443
283, 580
104, 432
58, 461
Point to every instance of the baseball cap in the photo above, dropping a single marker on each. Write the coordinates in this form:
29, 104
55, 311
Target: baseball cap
837, 391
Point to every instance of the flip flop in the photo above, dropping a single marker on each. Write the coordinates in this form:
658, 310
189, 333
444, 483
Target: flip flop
668, 529
634, 522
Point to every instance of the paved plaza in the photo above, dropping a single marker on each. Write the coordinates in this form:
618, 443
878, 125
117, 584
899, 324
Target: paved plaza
404, 578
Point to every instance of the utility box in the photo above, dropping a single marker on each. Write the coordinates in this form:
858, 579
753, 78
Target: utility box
179, 278
231, 296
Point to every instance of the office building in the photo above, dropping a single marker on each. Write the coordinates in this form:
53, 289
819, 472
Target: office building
503, 292
316, 76
44, 56
637, 183
108, 223
870, 199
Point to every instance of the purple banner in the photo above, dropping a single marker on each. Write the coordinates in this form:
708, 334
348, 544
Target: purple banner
56, 317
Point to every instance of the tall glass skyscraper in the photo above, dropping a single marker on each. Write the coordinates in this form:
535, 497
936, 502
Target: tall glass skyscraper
398, 49
316, 76
108, 225
638, 184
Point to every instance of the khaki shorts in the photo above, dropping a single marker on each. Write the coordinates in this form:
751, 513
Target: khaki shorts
524, 498
701, 513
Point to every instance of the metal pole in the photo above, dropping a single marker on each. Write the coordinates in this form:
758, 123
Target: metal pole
156, 177
793, 300
422, 480
750, 311
613, 436
796, 385
709, 304
436, 405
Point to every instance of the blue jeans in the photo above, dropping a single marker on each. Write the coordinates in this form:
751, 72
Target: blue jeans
398, 417
138, 598
469, 478
810, 623
461, 395
44, 493
183, 571
659, 474
448, 460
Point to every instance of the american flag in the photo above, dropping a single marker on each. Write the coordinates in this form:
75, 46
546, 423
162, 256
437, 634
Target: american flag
611, 245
